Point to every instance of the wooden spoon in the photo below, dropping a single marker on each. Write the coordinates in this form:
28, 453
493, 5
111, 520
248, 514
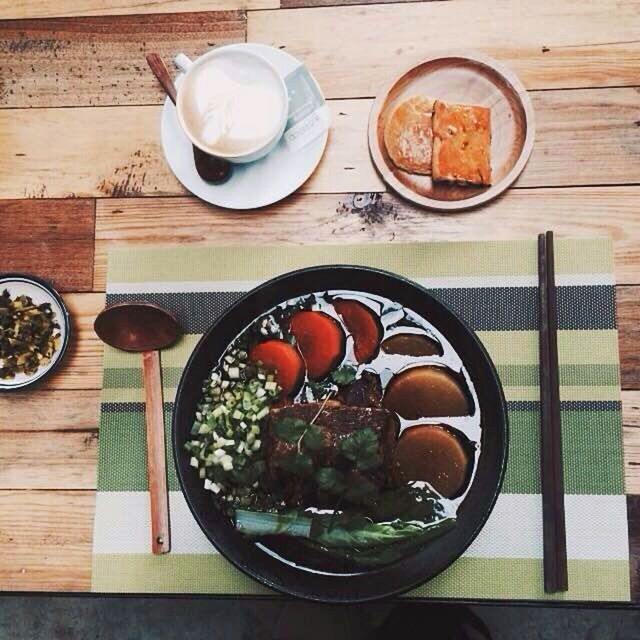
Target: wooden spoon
210, 168
146, 328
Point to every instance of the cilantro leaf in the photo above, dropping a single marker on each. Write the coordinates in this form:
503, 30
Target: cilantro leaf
290, 429
330, 480
313, 438
360, 444
298, 464
346, 374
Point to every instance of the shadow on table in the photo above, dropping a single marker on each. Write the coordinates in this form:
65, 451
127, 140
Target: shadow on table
98, 618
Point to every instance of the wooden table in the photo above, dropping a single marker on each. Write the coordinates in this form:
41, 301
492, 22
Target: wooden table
81, 170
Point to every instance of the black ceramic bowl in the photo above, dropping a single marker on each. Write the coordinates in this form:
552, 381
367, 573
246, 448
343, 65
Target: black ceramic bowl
436, 554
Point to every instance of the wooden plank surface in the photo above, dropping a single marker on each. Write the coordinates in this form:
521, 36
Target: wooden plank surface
101, 61
14, 9
103, 151
45, 537
549, 44
52, 239
116, 152
631, 440
82, 368
295, 4
633, 509
48, 410
48, 460
375, 217
585, 137
628, 301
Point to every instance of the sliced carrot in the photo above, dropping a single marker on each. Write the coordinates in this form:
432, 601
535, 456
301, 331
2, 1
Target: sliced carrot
320, 340
363, 325
284, 359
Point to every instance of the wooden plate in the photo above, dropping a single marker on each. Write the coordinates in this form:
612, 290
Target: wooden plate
467, 78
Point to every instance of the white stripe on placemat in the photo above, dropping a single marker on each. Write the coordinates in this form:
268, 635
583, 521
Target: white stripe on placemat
449, 282
122, 524
596, 527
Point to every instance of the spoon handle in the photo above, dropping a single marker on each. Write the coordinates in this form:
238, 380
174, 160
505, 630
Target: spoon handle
209, 168
161, 72
156, 460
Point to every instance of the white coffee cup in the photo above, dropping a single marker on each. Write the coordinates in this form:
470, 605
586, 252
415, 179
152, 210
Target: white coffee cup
232, 103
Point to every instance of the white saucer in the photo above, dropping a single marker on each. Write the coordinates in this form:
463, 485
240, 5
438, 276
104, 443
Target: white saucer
253, 185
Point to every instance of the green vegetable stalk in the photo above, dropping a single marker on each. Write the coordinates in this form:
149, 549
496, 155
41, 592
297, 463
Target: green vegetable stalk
318, 527
356, 537
397, 522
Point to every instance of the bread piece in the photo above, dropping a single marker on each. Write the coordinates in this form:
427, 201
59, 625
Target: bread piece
408, 135
461, 143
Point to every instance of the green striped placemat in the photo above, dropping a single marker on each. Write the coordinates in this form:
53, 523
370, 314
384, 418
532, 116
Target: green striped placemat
493, 287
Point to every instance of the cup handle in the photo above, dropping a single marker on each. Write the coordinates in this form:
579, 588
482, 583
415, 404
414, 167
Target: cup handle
183, 62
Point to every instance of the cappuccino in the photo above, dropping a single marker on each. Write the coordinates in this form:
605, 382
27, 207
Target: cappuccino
232, 104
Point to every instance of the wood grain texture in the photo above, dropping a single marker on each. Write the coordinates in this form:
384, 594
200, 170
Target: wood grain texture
82, 366
375, 217
99, 152
631, 440
628, 301
51, 239
573, 128
45, 537
549, 44
13, 9
101, 61
53, 460
295, 4
633, 511
45, 410
631, 409
115, 151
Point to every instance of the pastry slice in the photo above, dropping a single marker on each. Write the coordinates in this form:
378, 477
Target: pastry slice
408, 135
461, 143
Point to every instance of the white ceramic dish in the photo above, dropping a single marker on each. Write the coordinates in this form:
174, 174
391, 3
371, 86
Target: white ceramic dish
40, 291
256, 184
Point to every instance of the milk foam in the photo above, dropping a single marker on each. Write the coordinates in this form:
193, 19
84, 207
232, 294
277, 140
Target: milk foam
233, 104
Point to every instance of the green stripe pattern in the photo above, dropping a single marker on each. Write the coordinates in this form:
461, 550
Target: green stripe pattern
466, 578
589, 376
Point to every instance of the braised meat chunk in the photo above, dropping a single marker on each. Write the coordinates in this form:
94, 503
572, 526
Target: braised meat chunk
334, 424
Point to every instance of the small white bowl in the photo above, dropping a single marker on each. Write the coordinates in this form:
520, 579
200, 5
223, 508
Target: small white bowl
40, 291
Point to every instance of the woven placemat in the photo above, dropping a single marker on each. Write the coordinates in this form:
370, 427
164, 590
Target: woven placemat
493, 287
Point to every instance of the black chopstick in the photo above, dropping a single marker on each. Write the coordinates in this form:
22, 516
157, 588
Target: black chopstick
551, 471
